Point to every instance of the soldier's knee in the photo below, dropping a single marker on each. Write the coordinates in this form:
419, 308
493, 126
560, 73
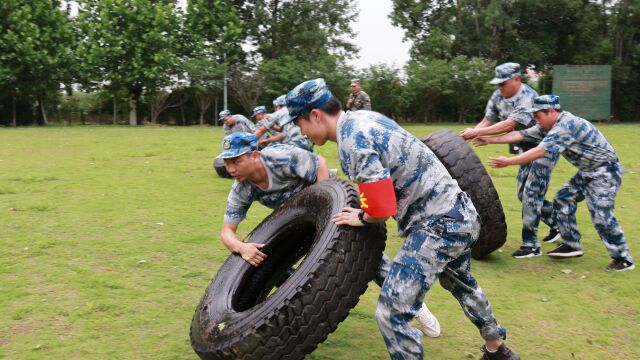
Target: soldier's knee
383, 313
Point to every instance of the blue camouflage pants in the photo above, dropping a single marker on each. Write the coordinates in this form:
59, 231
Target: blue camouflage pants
440, 249
599, 187
533, 181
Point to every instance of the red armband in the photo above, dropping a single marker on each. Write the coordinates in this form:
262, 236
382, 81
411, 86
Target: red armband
378, 198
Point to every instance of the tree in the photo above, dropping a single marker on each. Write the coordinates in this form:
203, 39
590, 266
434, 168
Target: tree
246, 84
298, 40
385, 88
214, 29
35, 49
132, 45
162, 100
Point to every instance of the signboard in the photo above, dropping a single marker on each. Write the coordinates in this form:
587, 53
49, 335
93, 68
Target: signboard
584, 90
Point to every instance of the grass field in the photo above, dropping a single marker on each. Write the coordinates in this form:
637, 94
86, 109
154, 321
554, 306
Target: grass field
108, 239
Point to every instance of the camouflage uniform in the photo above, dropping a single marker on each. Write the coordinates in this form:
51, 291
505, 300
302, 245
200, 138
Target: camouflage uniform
438, 220
289, 169
598, 180
242, 124
291, 131
360, 101
533, 178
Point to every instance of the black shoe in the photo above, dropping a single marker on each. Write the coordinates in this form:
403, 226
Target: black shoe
620, 265
564, 251
503, 353
554, 234
526, 252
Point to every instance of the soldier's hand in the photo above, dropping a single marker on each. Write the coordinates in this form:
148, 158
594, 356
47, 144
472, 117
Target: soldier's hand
499, 162
480, 141
264, 142
348, 216
251, 254
468, 133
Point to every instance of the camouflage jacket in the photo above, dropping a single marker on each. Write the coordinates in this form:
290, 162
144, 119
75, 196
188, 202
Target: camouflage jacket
359, 101
578, 140
242, 124
289, 170
372, 147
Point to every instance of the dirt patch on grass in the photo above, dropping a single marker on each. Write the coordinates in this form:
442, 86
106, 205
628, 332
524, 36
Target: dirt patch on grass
23, 328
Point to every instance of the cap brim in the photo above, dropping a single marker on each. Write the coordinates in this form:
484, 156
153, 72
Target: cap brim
532, 109
231, 155
497, 81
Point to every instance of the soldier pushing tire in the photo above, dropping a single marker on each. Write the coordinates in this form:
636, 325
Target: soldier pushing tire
313, 275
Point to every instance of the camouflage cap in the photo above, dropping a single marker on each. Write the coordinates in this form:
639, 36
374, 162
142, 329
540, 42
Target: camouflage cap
238, 143
223, 114
505, 72
258, 109
544, 102
355, 82
307, 96
280, 101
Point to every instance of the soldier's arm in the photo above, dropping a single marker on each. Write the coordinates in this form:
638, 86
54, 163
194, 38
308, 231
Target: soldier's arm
272, 139
366, 102
495, 129
508, 138
323, 169
524, 158
484, 123
249, 251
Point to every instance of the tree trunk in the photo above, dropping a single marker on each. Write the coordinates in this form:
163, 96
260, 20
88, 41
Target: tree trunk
14, 119
133, 116
215, 111
201, 117
42, 109
115, 111
184, 122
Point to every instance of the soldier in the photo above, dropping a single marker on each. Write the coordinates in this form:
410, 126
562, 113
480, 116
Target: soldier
504, 113
400, 176
279, 120
271, 176
235, 123
358, 100
598, 179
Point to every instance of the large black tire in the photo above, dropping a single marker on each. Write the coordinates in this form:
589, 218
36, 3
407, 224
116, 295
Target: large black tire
244, 315
465, 166
218, 165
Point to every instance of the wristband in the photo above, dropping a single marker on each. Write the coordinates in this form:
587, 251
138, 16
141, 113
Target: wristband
361, 218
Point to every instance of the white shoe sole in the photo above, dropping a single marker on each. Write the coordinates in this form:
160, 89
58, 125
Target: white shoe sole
572, 254
552, 240
625, 269
527, 256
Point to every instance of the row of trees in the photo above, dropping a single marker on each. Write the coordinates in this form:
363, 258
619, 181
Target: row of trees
166, 59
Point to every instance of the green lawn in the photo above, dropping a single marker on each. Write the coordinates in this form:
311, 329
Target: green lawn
108, 239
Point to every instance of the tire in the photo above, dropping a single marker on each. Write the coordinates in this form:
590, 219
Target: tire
244, 316
464, 165
218, 165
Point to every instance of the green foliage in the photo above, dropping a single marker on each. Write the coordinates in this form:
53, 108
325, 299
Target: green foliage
531, 32
384, 84
131, 44
36, 41
435, 87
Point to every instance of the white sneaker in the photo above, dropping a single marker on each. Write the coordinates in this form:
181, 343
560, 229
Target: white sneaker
428, 323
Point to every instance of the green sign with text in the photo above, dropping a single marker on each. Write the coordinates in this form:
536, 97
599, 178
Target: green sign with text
584, 90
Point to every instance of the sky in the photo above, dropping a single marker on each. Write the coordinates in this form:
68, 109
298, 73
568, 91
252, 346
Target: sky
378, 40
